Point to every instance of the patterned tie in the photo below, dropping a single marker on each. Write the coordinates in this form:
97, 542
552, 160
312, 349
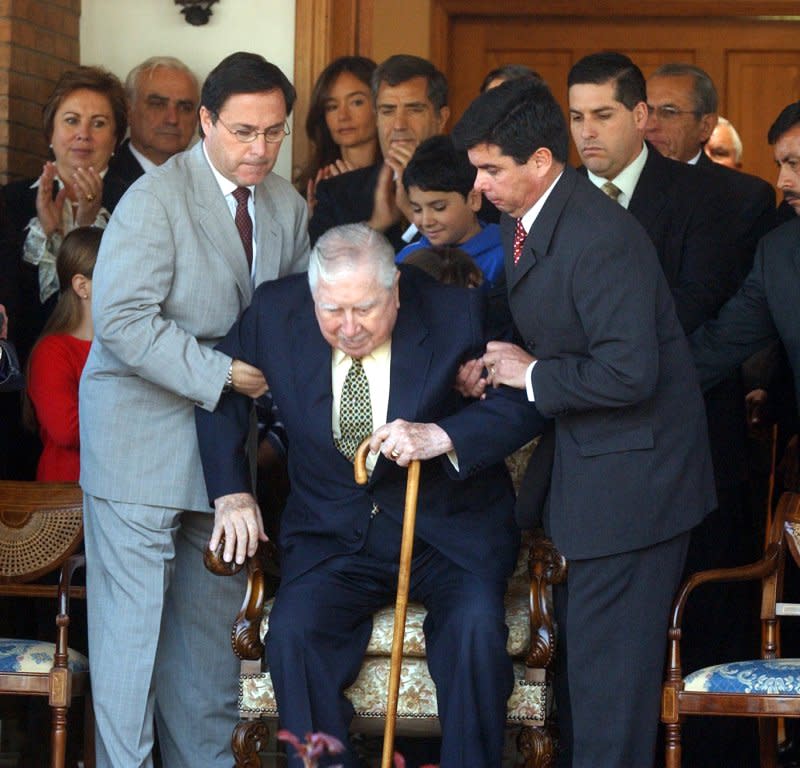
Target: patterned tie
612, 190
355, 410
519, 240
244, 223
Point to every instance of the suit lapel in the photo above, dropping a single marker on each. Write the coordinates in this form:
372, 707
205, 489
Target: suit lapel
537, 243
215, 220
651, 193
312, 372
411, 359
267, 236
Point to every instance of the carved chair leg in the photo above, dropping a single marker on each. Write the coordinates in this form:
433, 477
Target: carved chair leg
672, 756
536, 746
768, 741
58, 737
249, 738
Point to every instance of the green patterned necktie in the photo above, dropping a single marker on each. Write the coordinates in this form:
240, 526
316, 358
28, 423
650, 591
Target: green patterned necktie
355, 410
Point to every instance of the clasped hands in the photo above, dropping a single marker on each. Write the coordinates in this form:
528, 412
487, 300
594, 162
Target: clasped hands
504, 363
85, 186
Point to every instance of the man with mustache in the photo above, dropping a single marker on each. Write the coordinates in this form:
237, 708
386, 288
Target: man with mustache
162, 115
411, 103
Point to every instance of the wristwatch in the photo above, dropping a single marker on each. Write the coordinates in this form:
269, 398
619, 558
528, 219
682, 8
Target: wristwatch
229, 379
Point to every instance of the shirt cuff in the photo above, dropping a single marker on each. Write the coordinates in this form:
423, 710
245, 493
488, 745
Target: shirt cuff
410, 233
529, 382
453, 458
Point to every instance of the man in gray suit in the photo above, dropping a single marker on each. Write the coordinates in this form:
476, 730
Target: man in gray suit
177, 266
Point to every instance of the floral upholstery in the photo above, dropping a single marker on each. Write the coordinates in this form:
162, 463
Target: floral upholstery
35, 656
526, 706
380, 642
765, 676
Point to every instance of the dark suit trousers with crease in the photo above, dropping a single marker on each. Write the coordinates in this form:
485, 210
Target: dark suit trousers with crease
321, 623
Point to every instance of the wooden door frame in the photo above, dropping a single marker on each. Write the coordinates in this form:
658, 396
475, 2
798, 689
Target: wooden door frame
443, 12
324, 30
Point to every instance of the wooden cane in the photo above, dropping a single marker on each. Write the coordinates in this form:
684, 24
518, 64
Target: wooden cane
401, 603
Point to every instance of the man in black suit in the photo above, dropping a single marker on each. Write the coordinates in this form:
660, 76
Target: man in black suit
765, 307
606, 358
403, 336
411, 104
162, 115
682, 104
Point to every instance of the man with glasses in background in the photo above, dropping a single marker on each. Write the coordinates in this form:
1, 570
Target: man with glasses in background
162, 115
177, 267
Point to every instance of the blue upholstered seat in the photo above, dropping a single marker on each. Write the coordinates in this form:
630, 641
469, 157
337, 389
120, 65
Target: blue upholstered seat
35, 656
780, 677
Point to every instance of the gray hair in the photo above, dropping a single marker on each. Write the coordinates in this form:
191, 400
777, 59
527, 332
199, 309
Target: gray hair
344, 249
149, 66
704, 94
738, 148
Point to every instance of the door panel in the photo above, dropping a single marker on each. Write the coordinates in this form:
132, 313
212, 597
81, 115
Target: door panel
754, 62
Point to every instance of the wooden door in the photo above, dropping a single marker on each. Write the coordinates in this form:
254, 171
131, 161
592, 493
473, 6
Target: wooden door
753, 58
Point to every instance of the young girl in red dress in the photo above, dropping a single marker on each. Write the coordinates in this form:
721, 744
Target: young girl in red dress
57, 360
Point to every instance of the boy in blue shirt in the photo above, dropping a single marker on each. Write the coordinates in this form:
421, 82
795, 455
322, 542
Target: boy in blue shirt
438, 180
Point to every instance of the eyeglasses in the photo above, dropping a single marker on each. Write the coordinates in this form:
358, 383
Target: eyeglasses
247, 136
670, 113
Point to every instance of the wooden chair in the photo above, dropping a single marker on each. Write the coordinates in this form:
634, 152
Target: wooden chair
767, 688
531, 643
41, 527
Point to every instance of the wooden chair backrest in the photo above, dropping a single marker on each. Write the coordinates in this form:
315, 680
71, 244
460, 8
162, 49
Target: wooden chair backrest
41, 525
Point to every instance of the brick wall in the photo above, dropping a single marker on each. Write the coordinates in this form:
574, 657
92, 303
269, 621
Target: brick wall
38, 41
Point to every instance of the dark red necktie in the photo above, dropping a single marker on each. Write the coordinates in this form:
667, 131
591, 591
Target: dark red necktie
519, 240
244, 223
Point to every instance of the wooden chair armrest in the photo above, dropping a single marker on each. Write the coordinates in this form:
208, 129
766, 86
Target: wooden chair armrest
766, 567
263, 577
757, 570
546, 566
71, 564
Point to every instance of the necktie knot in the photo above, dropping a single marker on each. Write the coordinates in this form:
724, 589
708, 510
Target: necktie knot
241, 195
519, 239
612, 190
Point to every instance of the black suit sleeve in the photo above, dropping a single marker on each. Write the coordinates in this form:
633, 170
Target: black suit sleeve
743, 327
222, 434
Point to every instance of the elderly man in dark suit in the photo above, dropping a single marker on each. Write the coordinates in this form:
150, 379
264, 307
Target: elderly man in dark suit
606, 358
163, 94
354, 346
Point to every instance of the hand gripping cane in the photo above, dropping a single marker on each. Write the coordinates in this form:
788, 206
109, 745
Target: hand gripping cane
401, 604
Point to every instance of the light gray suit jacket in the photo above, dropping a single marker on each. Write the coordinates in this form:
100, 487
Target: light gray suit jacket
171, 278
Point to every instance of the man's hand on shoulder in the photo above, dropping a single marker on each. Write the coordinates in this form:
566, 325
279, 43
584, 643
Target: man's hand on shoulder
248, 380
237, 516
403, 441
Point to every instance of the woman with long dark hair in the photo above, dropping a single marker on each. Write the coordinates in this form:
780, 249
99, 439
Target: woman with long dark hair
57, 359
340, 123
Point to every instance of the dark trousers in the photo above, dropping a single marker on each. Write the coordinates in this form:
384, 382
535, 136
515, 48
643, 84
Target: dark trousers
612, 614
321, 623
